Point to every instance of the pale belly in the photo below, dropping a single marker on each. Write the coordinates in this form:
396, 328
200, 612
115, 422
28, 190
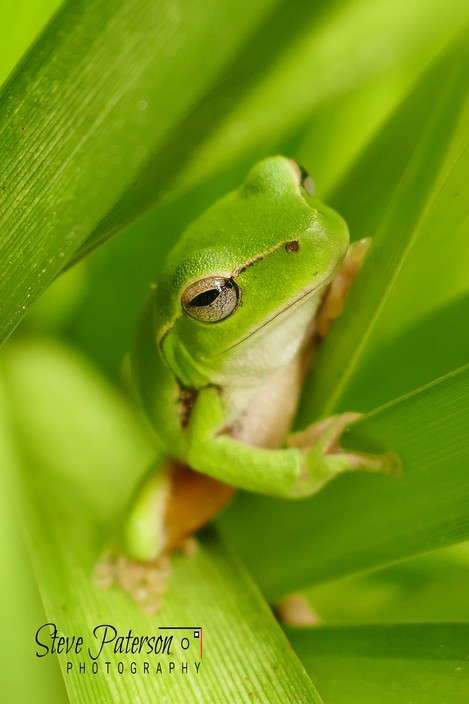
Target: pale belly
266, 420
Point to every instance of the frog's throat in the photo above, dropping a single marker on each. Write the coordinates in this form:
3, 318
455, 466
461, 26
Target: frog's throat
188, 371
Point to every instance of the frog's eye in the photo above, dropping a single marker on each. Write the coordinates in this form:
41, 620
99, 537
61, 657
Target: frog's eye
306, 181
304, 178
211, 300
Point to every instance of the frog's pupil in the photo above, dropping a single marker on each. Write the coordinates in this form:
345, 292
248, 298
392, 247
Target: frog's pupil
206, 298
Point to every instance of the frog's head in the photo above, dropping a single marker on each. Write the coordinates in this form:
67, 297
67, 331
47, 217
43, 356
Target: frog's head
241, 286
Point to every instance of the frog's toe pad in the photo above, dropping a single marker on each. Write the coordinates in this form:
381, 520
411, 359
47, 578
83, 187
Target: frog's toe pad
144, 582
389, 463
392, 464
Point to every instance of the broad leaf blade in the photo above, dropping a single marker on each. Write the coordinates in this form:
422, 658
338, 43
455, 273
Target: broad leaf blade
417, 353
336, 54
363, 522
20, 23
21, 610
256, 103
75, 486
422, 664
84, 112
432, 587
423, 228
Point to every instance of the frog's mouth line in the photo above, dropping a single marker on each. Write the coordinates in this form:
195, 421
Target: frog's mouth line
307, 294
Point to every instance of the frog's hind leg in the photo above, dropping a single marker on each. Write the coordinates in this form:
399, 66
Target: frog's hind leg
168, 508
194, 500
332, 302
171, 505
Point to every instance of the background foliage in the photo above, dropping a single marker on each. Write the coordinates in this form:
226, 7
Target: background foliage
131, 118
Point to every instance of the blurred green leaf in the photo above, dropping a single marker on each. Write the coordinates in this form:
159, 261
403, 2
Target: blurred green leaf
20, 606
344, 45
418, 199
419, 352
432, 587
20, 23
359, 521
84, 113
226, 127
76, 480
414, 664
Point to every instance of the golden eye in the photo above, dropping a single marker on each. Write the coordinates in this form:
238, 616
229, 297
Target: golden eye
211, 300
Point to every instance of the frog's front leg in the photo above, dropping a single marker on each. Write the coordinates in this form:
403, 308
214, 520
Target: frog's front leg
324, 457
312, 458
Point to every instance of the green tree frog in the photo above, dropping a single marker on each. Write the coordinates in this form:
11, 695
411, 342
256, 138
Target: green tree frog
223, 348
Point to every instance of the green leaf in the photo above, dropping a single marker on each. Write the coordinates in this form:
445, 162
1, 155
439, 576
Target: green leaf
432, 587
80, 453
20, 23
85, 112
260, 98
422, 664
335, 51
361, 522
20, 606
431, 347
419, 254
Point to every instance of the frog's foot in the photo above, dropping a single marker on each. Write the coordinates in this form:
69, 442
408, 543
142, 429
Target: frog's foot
295, 610
144, 582
335, 296
324, 458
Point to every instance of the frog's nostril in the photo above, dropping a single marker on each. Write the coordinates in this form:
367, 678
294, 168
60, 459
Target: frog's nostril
292, 246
